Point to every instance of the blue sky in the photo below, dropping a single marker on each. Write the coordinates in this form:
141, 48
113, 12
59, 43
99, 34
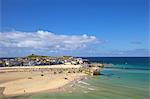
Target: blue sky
74, 27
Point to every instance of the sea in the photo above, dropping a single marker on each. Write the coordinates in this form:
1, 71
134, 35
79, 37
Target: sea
121, 78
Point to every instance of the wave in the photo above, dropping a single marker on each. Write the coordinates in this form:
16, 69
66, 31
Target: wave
83, 83
89, 88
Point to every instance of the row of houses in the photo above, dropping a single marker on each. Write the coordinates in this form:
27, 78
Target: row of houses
38, 61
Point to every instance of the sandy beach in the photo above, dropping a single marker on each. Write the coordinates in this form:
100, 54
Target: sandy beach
18, 83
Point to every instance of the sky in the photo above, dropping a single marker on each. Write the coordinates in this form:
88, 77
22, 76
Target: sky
87, 28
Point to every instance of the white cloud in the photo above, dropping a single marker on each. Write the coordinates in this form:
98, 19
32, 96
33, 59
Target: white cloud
45, 40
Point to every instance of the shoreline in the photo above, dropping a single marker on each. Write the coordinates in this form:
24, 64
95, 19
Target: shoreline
22, 83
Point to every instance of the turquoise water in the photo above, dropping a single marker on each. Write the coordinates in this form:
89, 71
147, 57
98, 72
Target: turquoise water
121, 81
